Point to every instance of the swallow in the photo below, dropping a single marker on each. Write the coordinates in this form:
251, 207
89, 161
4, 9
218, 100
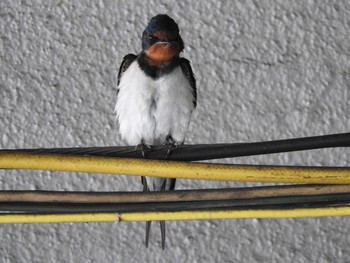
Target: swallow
156, 95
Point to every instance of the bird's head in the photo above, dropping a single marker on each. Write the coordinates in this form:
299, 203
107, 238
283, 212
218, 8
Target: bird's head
161, 40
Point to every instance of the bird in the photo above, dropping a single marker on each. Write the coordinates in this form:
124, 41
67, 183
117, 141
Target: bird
156, 96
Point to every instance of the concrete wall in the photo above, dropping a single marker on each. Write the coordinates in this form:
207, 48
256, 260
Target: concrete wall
265, 70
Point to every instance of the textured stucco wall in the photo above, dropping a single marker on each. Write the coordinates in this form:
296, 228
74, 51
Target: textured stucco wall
265, 70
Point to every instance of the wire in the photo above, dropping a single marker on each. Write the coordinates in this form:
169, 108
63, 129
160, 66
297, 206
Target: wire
171, 196
271, 202
204, 151
172, 169
99, 160
182, 215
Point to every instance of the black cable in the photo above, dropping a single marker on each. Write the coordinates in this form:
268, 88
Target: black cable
204, 151
256, 203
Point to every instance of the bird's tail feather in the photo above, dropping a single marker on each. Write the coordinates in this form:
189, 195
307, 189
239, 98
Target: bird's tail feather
159, 184
162, 232
148, 223
148, 228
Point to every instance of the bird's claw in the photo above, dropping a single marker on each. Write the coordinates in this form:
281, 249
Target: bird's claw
171, 144
143, 147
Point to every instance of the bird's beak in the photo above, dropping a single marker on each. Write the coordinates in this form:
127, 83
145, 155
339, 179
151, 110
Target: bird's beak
164, 42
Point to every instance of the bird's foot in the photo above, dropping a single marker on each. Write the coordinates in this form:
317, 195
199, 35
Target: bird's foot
171, 144
143, 147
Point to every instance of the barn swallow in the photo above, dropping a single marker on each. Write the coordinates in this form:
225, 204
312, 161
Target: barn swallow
156, 96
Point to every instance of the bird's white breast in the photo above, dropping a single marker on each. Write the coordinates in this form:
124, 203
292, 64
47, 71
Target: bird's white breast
151, 109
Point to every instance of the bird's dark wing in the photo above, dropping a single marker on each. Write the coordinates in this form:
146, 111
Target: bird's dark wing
127, 60
187, 70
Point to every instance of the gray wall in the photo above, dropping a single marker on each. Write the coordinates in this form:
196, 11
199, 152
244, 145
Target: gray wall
265, 70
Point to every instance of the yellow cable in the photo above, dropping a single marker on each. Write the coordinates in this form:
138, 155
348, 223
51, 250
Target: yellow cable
57, 218
183, 215
170, 169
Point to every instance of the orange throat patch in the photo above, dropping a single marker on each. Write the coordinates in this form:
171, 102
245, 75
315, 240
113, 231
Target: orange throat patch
162, 53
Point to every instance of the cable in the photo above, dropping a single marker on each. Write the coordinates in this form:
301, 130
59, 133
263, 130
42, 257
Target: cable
182, 215
172, 169
270, 202
98, 160
171, 196
204, 151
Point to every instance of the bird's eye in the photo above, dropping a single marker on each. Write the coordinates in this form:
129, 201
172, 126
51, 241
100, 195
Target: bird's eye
153, 39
